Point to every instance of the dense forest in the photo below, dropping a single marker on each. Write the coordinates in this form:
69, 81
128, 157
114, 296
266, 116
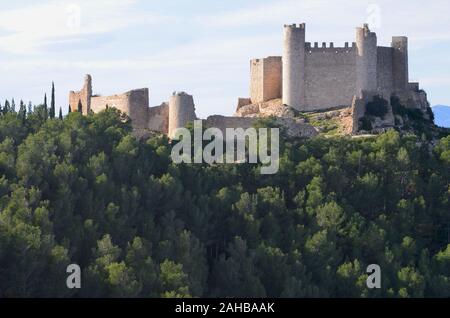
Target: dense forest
82, 189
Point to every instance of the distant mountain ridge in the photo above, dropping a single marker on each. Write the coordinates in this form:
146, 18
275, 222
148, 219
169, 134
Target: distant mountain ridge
442, 115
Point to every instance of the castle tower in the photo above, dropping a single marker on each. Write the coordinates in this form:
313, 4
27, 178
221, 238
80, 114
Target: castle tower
400, 62
181, 111
87, 94
294, 66
84, 97
366, 60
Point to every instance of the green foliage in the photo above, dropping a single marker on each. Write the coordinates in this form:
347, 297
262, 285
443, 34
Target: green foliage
83, 190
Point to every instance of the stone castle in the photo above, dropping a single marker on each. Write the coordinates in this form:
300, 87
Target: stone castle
307, 78
165, 118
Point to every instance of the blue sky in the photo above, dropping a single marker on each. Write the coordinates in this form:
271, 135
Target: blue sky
202, 47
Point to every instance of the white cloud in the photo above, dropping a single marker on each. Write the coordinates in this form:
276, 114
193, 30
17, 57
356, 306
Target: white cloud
333, 19
210, 56
28, 29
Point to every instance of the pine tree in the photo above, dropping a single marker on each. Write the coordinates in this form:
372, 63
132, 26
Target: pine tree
30, 107
52, 102
7, 107
22, 110
60, 114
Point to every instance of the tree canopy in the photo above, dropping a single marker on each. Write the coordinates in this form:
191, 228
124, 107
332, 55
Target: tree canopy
84, 190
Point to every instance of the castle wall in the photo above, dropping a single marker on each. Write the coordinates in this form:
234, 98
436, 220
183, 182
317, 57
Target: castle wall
385, 71
330, 77
139, 105
134, 104
293, 128
158, 118
317, 78
100, 103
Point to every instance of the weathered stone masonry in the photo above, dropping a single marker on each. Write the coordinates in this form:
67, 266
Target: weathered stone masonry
318, 77
164, 118
308, 77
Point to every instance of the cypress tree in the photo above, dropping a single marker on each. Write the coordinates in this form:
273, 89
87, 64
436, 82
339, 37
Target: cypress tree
45, 107
52, 102
60, 114
80, 107
70, 109
13, 106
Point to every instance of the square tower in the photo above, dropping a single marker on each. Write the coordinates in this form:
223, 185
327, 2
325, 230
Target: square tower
266, 79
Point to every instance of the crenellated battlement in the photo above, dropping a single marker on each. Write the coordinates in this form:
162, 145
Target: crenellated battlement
301, 26
329, 47
320, 75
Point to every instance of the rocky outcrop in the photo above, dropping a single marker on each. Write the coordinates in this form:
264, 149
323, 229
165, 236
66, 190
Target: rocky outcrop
273, 107
294, 127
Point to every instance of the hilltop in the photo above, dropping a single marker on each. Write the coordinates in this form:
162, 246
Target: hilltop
83, 190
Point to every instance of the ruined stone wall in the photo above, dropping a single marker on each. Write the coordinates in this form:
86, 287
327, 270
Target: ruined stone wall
139, 105
134, 104
100, 103
158, 118
243, 102
83, 96
293, 127
330, 76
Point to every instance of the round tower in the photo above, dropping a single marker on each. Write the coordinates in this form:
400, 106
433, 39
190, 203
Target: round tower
294, 66
87, 94
181, 111
366, 60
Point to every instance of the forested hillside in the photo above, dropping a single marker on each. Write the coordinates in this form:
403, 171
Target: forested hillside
83, 190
